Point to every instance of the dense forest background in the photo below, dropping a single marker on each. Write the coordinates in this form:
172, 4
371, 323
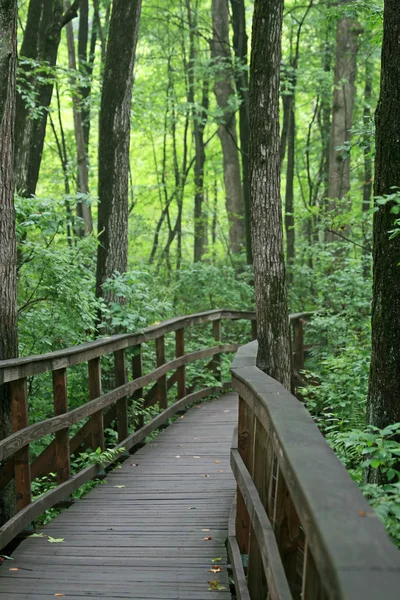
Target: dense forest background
186, 222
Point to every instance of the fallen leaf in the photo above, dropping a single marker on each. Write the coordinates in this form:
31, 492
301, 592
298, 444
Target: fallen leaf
37, 535
214, 585
214, 560
206, 476
13, 569
226, 410
207, 539
217, 462
196, 456
134, 464
220, 471
58, 595
55, 540
363, 513
119, 486
205, 529
192, 508
181, 417
177, 456
5, 557
216, 569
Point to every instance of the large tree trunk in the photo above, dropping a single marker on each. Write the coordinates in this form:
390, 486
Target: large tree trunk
41, 40
242, 88
8, 271
384, 385
83, 211
224, 90
114, 140
347, 33
265, 201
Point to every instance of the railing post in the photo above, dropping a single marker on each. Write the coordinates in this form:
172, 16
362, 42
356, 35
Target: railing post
180, 372
97, 419
298, 345
287, 531
22, 467
162, 381
312, 584
253, 329
122, 404
137, 371
263, 461
60, 397
245, 447
216, 363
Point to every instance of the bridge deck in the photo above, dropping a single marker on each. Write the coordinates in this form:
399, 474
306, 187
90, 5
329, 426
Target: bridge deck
151, 532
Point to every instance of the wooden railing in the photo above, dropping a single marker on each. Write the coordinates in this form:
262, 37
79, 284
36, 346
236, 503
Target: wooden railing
301, 522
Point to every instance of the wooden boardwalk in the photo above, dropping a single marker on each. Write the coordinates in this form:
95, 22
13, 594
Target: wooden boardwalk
151, 532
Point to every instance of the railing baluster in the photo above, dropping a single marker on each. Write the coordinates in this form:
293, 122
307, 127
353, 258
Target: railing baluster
298, 344
180, 372
162, 382
216, 363
287, 530
312, 584
263, 458
97, 419
245, 447
137, 371
22, 467
60, 397
122, 404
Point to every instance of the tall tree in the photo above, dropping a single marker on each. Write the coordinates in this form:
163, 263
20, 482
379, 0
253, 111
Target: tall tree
8, 271
114, 141
384, 384
40, 45
347, 32
265, 200
242, 88
224, 91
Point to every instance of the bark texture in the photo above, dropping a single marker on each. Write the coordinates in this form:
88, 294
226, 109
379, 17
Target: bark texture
347, 33
224, 90
265, 201
384, 385
114, 140
8, 272
40, 43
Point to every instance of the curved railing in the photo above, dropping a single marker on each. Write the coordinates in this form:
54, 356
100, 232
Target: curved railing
304, 525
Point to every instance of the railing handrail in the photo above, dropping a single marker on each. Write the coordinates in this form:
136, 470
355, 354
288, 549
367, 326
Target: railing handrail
13, 369
353, 554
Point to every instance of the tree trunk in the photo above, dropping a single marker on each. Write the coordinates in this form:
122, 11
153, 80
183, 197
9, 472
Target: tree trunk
266, 209
242, 88
289, 193
40, 43
224, 90
367, 187
347, 33
383, 406
8, 271
83, 211
114, 141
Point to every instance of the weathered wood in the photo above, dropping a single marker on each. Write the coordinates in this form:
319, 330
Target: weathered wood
272, 564
327, 513
52, 497
298, 344
150, 397
254, 330
287, 531
94, 369
10, 445
245, 442
239, 577
62, 450
32, 365
263, 457
122, 404
312, 584
180, 351
217, 335
162, 396
22, 467
137, 372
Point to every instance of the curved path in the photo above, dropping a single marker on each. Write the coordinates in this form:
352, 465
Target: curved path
152, 531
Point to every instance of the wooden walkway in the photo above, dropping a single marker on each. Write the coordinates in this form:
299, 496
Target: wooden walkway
151, 532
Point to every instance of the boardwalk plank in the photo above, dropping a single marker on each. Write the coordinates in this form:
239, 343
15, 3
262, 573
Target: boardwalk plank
144, 541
